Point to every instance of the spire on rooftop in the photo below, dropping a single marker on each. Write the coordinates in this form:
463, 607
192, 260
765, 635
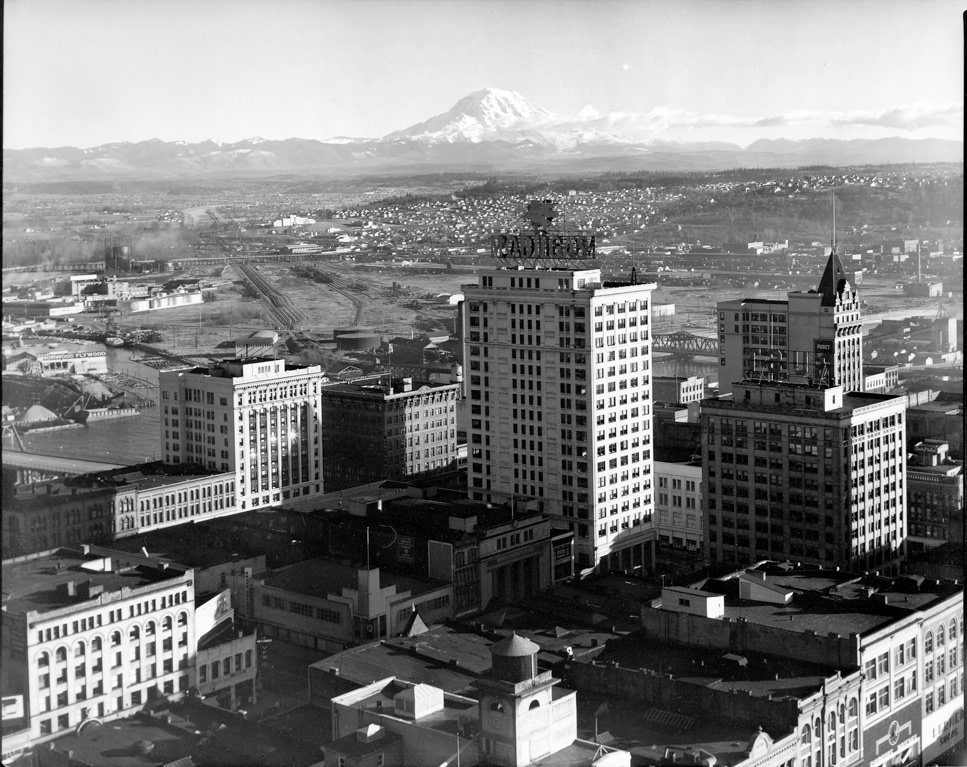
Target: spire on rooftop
834, 276
833, 280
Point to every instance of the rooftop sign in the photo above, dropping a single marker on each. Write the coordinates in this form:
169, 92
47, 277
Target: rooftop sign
542, 244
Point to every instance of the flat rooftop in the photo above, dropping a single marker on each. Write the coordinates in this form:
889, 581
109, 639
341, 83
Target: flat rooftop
756, 674
827, 601
455, 716
851, 401
321, 577
39, 582
187, 546
443, 657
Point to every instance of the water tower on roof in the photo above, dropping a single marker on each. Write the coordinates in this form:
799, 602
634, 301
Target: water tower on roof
514, 659
523, 717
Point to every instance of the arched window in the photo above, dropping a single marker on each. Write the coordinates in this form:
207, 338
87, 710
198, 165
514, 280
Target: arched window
940, 636
149, 629
182, 619
832, 721
96, 644
134, 634
807, 734
534, 704
854, 708
80, 649
953, 630
61, 654
43, 660
928, 642
167, 623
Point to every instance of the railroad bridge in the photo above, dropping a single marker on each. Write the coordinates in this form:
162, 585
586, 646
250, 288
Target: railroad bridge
682, 344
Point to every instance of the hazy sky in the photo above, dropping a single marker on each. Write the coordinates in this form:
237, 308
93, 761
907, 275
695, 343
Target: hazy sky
87, 72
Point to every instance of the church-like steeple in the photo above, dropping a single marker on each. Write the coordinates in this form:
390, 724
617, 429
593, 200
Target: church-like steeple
834, 276
833, 281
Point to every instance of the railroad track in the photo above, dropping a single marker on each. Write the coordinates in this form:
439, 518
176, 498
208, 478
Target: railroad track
351, 290
277, 305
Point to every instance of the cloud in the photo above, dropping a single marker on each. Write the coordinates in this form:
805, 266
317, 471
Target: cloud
907, 118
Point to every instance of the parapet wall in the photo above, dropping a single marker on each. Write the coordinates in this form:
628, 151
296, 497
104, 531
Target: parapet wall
738, 635
665, 692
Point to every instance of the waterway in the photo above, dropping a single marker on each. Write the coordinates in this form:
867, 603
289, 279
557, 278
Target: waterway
126, 440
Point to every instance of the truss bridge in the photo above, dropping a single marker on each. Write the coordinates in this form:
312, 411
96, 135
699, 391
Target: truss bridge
682, 344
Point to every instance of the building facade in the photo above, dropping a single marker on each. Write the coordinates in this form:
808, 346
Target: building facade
257, 417
812, 335
935, 494
95, 508
906, 705
815, 475
679, 505
380, 428
85, 639
557, 373
329, 606
678, 389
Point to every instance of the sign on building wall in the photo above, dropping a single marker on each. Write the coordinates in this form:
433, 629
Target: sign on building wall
405, 549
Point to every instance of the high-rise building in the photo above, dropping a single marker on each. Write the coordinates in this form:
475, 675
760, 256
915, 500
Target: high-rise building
381, 428
258, 417
813, 336
557, 373
814, 475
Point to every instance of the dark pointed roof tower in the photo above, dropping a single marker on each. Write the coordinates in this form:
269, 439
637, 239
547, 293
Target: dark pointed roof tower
833, 281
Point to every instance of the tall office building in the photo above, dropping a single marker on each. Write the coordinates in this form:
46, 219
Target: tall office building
258, 417
558, 381
793, 472
812, 336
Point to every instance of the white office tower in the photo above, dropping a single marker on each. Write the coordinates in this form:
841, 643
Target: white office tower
258, 417
558, 368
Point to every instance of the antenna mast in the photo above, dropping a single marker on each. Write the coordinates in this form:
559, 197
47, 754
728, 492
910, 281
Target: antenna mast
832, 241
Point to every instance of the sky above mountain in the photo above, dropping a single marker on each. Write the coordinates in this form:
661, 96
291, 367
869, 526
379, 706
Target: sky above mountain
98, 71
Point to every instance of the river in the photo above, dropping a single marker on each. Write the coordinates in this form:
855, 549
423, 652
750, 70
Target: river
126, 440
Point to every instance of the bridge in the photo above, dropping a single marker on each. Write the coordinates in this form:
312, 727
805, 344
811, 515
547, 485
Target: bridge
30, 465
682, 344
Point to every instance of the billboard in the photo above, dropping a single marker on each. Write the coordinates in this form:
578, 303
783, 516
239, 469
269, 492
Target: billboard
544, 246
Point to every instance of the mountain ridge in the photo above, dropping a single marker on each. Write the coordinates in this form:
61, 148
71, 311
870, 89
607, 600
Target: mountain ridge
490, 129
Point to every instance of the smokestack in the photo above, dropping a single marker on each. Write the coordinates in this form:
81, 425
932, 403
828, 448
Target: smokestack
919, 248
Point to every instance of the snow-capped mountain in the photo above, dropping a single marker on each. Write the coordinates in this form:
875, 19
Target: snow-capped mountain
489, 130
490, 114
